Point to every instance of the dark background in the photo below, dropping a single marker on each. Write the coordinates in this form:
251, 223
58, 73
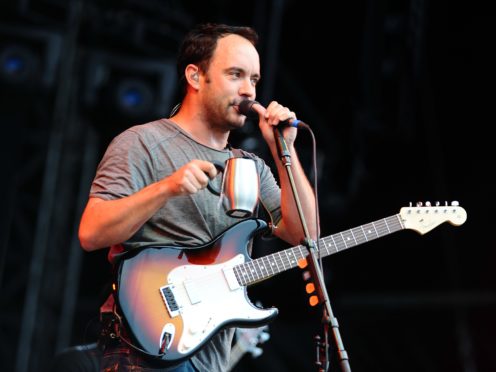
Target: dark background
399, 95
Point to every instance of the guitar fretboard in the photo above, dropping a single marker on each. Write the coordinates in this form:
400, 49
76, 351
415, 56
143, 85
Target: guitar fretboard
265, 267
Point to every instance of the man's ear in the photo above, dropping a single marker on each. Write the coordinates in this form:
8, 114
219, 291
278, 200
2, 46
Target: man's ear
192, 75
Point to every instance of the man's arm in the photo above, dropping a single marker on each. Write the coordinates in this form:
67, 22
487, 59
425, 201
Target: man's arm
289, 228
108, 222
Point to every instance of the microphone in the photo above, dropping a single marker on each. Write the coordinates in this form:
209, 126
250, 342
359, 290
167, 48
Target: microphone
245, 107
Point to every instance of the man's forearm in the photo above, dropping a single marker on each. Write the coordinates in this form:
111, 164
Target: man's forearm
290, 228
108, 222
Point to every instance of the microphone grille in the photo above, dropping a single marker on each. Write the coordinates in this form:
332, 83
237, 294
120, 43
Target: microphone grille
246, 108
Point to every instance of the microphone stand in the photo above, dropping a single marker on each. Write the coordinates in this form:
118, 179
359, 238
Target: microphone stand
328, 317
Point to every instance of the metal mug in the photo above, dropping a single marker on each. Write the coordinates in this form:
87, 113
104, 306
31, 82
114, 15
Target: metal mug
240, 186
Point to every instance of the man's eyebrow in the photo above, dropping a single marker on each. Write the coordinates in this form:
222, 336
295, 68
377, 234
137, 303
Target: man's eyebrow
235, 68
240, 69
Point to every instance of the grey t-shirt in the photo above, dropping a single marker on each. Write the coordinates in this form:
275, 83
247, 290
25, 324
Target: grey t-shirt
147, 153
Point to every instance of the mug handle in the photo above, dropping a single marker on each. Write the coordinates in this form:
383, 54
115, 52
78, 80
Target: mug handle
220, 166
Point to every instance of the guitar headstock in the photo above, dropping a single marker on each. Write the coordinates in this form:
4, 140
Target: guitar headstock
424, 217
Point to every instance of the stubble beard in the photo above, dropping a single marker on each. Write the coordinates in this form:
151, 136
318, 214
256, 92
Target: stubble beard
225, 116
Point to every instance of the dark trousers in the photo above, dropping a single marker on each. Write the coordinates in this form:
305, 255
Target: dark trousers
122, 358
80, 358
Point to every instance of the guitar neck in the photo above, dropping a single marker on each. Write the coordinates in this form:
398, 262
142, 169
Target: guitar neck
265, 267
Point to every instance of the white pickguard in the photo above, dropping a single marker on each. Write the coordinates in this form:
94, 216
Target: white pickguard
207, 300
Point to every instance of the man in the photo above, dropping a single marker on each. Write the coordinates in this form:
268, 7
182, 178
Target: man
150, 187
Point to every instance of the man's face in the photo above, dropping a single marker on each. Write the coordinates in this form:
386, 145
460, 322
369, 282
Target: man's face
231, 77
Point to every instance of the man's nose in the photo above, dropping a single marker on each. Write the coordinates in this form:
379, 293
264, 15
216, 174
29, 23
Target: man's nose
247, 89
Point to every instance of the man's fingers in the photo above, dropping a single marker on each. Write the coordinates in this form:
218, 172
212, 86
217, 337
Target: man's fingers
207, 167
276, 113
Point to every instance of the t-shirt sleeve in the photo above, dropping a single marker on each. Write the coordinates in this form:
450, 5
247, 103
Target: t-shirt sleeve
126, 167
270, 192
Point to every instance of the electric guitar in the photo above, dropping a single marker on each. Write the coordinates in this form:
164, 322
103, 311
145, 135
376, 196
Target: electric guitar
174, 299
247, 340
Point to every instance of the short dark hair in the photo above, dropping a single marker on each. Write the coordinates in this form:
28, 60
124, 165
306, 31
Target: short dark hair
199, 45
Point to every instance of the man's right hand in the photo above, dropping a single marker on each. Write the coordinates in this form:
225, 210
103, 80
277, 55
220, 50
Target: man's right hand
190, 178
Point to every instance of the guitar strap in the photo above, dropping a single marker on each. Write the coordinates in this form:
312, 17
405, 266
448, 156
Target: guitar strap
110, 323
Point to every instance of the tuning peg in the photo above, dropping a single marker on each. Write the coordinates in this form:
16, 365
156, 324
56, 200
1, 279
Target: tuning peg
438, 203
419, 204
455, 203
427, 203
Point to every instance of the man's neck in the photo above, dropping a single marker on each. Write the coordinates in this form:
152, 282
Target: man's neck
200, 130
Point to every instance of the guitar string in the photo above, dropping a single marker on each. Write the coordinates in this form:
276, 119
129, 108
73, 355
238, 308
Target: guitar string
254, 271
264, 267
356, 235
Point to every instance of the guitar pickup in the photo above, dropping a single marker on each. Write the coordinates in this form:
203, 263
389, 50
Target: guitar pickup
170, 300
